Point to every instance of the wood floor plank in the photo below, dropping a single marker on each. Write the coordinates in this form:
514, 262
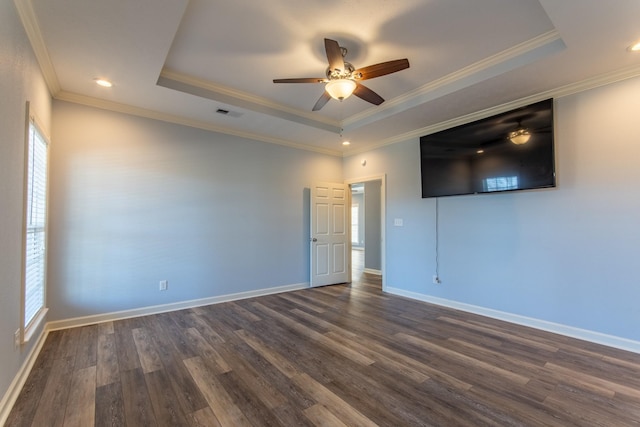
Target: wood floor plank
511, 337
338, 407
185, 389
282, 369
249, 401
147, 354
585, 408
470, 362
290, 415
241, 311
201, 325
606, 387
52, 404
105, 328
204, 418
86, 353
138, 409
207, 351
107, 371
24, 409
110, 405
125, 346
69, 341
166, 408
282, 363
413, 363
323, 339
214, 392
175, 334
296, 299
392, 364
80, 410
322, 417
252, 370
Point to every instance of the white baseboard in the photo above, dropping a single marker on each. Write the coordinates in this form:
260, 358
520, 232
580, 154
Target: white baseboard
10, 397
570, 331
164, 308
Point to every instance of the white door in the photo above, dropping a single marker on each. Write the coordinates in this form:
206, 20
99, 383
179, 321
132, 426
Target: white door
330, 251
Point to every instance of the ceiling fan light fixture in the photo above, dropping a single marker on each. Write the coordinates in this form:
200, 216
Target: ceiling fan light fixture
520, 136
340, 88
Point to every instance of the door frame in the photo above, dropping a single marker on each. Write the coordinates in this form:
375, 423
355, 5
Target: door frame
383, 223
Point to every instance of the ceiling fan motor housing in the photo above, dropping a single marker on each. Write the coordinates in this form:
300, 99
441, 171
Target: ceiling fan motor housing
337, 74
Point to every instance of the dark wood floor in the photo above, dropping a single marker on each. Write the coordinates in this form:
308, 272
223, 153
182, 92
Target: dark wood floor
344, 355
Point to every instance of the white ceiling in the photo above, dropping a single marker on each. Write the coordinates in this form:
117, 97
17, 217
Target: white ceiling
181, 60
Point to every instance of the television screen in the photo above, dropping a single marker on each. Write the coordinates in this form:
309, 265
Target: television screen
506, 152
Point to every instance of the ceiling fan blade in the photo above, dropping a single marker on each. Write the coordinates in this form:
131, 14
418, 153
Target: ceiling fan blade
367, 94
381, 69
334, 54
324, 98
301, 80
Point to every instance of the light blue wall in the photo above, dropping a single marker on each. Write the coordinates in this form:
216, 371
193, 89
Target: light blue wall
372, 203
566, 255
20, 81
135, 201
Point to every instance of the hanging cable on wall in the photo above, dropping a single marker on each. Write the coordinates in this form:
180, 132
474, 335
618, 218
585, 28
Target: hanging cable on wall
436, 277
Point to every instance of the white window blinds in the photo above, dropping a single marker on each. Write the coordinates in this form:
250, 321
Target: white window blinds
36, 214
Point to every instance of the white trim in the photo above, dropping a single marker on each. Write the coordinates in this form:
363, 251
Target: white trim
372, 271
494, 65
32, 28
557, 328
560, 92
32, 327
12, 393
173, 118
156, 309
27, 330
209, 90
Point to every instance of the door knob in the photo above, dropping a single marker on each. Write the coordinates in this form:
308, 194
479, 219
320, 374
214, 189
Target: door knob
314, 239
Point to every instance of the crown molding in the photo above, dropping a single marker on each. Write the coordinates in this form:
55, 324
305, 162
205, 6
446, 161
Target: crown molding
206, 89
486, 68
171, 118
560, 92
32, 28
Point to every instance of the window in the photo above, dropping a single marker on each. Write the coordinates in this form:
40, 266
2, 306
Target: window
34, 274
355, 239
501, 183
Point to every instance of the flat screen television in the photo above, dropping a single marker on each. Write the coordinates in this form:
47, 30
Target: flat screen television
480, 157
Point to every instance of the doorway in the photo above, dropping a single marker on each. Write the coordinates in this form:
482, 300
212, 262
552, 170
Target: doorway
367, 229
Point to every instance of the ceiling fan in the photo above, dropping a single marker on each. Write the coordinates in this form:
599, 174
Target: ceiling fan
343, 79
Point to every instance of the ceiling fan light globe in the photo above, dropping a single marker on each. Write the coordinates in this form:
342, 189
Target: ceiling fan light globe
520, 136
340, 88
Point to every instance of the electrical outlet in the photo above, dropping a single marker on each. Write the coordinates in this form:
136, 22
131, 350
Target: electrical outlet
164, 285
16, 338
436, 279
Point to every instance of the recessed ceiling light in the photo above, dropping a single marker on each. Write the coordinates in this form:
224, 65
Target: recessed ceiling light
345, 143
480, 151
103, 82
635, 47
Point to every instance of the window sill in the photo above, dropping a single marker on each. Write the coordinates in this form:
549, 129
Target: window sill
34, 325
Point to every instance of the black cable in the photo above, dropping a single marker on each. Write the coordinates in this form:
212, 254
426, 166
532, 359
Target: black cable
437, 244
